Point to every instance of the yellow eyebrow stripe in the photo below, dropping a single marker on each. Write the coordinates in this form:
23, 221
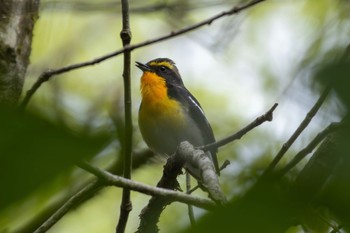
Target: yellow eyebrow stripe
163, 63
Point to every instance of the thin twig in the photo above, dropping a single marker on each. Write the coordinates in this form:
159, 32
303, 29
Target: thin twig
126, 205
189, 207
258, 121
78, 197
88, 191
346, 53
110, 179
223, 166
298, 131
309, 148
150, 214
45, 76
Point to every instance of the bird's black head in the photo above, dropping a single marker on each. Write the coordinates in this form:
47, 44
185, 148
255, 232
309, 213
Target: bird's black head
163, 67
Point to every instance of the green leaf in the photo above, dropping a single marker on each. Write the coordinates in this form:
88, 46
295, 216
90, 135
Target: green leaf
337, 74
266, 207
33, 151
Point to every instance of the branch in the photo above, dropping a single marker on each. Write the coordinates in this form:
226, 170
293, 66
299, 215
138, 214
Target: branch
110, 179
107, 6
189, 207
126, 205
208, 179
268, 116
346, 53
78, 197
322, 170
298, 131
45, 76
17, 22
186, 155
150, 214
309, 116
309, 148
84, 194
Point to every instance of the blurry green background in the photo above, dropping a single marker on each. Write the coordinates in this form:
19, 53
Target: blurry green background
237, 68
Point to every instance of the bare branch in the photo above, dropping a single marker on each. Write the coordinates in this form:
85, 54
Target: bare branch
223, 166
309, 148
108, 6
346, 53
186, 155
78, 197
258, 121
298, 131
189, 207
150, 214
126, 205
17, 22
110, 179
208, 179
84, 193
45, 76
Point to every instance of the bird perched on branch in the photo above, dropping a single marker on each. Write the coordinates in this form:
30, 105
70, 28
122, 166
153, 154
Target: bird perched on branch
169, 113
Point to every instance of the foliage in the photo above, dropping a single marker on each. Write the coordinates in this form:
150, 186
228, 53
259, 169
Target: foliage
285, 52
33, 151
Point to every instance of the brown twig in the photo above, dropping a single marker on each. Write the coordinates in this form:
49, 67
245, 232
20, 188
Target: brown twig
118, 181
45, 76
298, 131
185, 155
258, 121
308, 149
189, 207
126, 205
346, 53
150, 214
83, 194
78, 197
222, 167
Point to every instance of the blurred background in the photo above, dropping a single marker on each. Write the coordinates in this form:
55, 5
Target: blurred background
237, 67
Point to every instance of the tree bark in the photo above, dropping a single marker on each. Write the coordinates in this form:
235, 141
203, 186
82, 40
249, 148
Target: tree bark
16, 30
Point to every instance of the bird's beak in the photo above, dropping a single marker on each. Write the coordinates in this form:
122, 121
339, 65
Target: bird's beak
143, 67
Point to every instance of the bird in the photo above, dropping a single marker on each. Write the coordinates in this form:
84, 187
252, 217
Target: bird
169, 114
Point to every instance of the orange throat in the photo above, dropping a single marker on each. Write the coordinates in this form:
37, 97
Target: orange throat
153, 88
155, 100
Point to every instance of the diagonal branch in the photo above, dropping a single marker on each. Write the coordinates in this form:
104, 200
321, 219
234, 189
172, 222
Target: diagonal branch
110, 179
185, 155
298, 131
78, 197
258, 121
309, 148
45, 76
309, 116
83, 194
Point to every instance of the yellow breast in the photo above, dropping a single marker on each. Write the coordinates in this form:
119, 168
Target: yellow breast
161, 120
155, 101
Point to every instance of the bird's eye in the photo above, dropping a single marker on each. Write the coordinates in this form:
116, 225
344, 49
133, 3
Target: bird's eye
162, 68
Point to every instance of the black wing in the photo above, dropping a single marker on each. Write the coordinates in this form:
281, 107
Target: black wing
196, 112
